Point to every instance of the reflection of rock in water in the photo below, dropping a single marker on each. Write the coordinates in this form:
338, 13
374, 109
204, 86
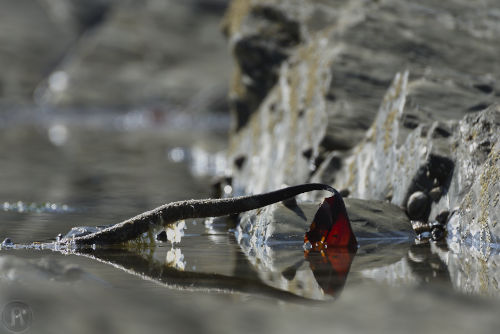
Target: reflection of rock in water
272, 240
470, 271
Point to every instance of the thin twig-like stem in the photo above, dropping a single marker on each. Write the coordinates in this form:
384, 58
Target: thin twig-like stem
170, 213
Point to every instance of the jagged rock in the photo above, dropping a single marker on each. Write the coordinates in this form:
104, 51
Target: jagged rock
430, 157
382, 168
333, 92
475, 187
272, 155
358, 53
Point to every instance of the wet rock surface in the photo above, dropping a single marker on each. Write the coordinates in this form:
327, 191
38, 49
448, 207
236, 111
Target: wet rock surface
386, 100
372, 98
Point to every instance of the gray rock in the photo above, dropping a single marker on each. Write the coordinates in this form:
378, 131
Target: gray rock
418, 205
147, 52
107, 53
473, 190
31, 44
76, 15
429, 132
331, 80
426, 158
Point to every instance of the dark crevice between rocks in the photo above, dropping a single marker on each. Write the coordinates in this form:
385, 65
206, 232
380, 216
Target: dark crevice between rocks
259, 56
410, 121
307, 153
329, 143
239, 161
286, 32
242, 111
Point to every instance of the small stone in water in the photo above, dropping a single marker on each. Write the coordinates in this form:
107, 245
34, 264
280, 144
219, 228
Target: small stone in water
418, 205
437, 233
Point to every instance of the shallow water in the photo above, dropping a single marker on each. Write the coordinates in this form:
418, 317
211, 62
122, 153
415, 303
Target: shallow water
81, 173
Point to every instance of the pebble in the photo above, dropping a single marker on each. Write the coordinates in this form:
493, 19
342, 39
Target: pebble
437, 233
418, 205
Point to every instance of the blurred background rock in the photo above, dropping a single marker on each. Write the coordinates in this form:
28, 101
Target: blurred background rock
110, 54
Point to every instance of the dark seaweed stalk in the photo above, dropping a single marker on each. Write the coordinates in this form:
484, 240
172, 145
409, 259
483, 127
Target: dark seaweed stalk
170, 213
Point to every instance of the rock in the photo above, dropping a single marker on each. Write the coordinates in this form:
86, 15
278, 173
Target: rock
31, 43
138, 55
472, 194
381, 99
476, 220
272, 238
263, 40
108, 53
392, 163
372, 222
75, 15
437, 233
418, 206
355, 63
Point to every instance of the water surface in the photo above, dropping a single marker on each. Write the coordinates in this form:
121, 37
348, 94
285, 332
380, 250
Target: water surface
61, 172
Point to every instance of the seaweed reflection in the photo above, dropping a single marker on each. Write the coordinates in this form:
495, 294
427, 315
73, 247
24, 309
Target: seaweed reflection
329, 269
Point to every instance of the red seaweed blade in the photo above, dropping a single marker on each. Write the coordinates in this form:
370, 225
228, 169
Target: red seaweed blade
331, 226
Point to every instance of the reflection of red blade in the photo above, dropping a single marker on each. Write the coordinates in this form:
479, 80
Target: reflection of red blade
330, 268
331, 226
